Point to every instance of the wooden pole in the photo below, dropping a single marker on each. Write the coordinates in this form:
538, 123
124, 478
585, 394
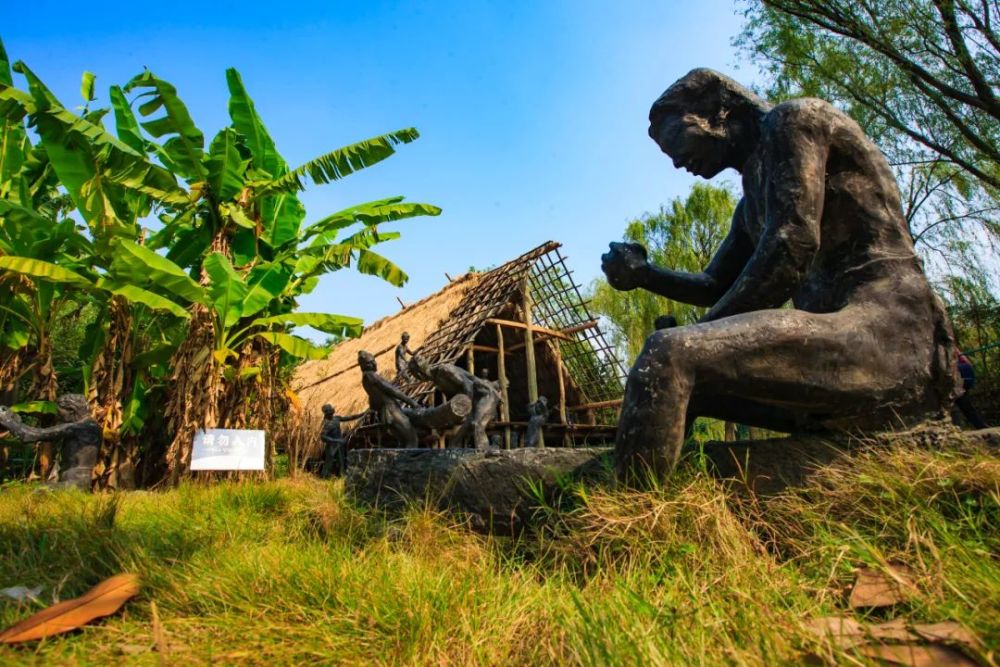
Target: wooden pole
470, 360
529, 352
502, 378
562, 391
529, 346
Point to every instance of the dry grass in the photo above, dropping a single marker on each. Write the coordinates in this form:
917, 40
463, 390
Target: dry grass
291, 571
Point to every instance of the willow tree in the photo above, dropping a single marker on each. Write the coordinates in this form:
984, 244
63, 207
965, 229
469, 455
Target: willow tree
920, 77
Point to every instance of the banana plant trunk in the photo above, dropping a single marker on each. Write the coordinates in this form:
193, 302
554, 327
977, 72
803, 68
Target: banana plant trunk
112, 381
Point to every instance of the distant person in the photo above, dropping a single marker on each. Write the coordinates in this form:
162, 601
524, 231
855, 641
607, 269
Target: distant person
964, 402
665, 322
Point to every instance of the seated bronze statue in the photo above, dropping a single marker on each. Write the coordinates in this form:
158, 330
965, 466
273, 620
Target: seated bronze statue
866, 343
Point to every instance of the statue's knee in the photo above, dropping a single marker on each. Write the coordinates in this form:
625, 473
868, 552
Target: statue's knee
661, 347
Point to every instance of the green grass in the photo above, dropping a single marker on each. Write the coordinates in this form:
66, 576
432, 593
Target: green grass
292, 572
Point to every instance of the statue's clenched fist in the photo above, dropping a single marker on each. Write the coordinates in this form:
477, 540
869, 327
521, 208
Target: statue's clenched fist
625, 265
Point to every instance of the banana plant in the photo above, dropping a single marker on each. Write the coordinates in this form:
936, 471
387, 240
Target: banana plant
241, 237
111, 185
212, 294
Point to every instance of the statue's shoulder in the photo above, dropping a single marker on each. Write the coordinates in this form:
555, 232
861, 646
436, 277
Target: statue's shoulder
802, 114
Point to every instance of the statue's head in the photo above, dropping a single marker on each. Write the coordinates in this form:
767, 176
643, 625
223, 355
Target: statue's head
484, 373
366, 360
704, 122
419, 368
327, 410
405, 337
73, 407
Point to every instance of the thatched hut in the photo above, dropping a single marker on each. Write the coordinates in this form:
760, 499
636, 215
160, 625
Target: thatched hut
525, 322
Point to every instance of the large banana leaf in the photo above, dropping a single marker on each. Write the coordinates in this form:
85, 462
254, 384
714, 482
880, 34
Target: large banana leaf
228, 290
248, 123
42, 270
19, 215
267, 282
184, 150
14, 143
340, 163
373, 264
135, 294
142, 265
125, 122
281, 215
293, 345
74, 146
226, 167
372, 213
340, 325
6, 78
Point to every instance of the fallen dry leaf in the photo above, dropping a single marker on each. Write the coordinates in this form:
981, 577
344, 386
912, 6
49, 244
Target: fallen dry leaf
881, 588
103, 599
899, 642
948, 632
917, 655
845, 632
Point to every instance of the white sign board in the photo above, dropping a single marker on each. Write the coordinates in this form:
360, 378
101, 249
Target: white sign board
228, 449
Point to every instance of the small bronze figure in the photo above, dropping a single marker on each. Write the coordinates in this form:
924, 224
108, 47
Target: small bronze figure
452, 380
538, 414
402, 372
820, 224
80, 435
334, 444
384, 397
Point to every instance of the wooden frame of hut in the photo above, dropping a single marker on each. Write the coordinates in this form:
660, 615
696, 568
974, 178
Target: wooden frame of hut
525, 321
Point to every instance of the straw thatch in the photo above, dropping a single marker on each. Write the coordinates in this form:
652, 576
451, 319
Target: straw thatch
337, 380
454, 326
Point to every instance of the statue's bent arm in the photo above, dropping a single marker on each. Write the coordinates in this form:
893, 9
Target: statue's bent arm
390, 389
793, 201
28, 434
705, 288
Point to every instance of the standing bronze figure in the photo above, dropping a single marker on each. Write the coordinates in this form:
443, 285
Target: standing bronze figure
384, 397
80, 435
402, 372
867, 342
538, 414
334, 444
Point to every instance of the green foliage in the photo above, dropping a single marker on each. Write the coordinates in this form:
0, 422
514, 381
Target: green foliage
920, 78
683, 235
914, 71
230, 241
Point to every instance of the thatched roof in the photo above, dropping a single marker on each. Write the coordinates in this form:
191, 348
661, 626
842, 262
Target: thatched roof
336, 379
462, 316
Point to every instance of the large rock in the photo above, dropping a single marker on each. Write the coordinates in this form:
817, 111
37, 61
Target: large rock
496, 489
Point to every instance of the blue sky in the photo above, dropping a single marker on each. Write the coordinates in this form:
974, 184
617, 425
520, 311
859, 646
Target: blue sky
532, 114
